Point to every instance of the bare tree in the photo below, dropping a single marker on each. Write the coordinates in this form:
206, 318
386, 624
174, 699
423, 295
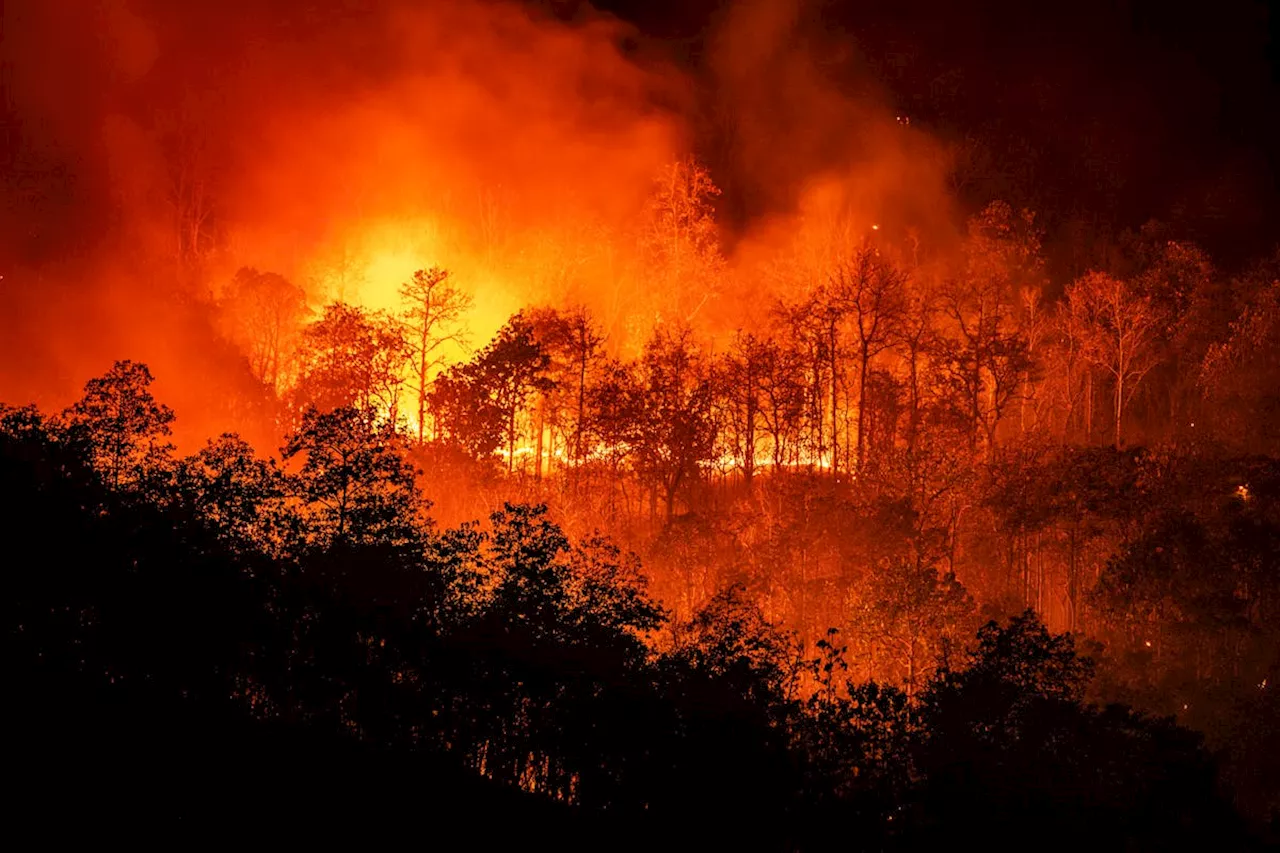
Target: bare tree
1122, 331
263, 312
873, 294
986, 355
915, 336
431, 318
681, 239
806, 336
190, 191
986, 359
1075, 371
742, 374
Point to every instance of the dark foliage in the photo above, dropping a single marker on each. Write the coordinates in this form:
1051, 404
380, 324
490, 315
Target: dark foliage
230, 649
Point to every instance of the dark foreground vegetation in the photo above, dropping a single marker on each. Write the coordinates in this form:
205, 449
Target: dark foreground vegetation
224, 644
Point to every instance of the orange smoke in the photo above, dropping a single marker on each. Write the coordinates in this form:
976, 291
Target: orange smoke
513, 150
346, 149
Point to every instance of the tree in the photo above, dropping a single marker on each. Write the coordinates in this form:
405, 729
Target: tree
237, 493
680, 238
782, 402
742, 380
1018, 662
615, 408
1240, 373
191, 163
580, 592
355, 482
875, 295
916, 341
983, 370
574, 347
608, 591
263, 311
480, 402
432, 317
1195, 306
731, 639
677, 433
583, 344
351, 358
1122, 327
807, 332
1004, 731
986, 355
123, 425
913, 612
1072, 369
828, 311
880, 411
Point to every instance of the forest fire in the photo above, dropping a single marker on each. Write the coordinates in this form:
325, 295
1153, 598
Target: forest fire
744, 423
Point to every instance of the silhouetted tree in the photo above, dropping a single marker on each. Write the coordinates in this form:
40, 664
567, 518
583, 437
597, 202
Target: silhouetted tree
237, 493
354, 479
676, 435
432, 315
124, 426
481, 401
875, 294
351, 358
743, 377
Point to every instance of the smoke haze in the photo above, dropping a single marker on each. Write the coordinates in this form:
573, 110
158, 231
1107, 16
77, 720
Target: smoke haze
152, 149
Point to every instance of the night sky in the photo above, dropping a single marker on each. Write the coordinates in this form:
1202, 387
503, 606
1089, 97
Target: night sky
1112, 113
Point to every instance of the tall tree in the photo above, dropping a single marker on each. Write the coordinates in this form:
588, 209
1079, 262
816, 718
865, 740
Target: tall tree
432, 312
830, 311
574, 347
350, 357
916, 340
677, 434
614, 422
986, 353
1122, 327
782, 401
482, 400
124, 426
875, 295
262, 312
680, 238
357, 486
742, 379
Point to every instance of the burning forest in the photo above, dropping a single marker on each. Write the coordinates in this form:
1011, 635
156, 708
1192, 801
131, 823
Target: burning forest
763, 425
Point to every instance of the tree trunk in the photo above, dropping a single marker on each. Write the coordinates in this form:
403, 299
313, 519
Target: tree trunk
1088, 408
818, 414
582, 403
1119, 406
915, 400
422, 389
537, 464
862, 408
511, 442
835, 440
